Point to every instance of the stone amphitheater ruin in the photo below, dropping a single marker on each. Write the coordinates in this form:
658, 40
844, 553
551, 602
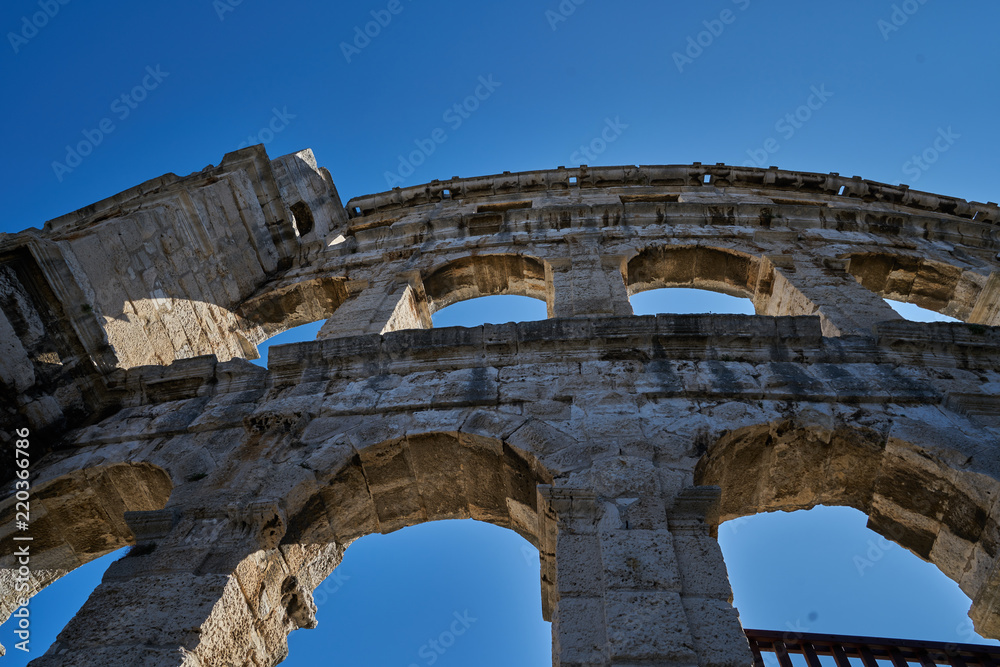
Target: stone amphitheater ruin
614, 443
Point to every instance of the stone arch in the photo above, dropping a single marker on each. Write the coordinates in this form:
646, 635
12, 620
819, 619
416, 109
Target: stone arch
76, 518
931, 284
405, 481
917, 495
423, 477
487, 275
727, 271
279, 309
255, 564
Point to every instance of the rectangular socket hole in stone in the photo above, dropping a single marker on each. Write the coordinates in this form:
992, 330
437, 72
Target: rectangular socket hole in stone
446, 194
708, 178
842, 188
572, 180
357, 210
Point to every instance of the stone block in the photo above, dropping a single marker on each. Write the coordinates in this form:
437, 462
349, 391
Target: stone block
703, 570
639, 560
718, 635
648, 626
578, 566
578, 631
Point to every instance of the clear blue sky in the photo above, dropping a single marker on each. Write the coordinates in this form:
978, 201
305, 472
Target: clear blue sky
882, 97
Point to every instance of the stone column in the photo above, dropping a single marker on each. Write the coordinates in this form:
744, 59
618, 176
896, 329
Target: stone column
586, 282
805, 287
380, 307
202, 587
633, 588
707, 594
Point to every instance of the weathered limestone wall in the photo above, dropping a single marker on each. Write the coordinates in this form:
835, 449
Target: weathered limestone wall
614, 443
341, 433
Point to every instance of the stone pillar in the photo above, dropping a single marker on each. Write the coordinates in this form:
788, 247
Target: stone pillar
380, 307
804, 287
707, 595
202, 587
632, 588
586, 282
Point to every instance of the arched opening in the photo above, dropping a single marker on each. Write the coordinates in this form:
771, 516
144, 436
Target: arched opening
419, 478
80, 515
680, 276
76, 518
422, 478
55, 605
911, 494
302, 218
822, 571
683, 301
490, 310
448, 592
487, 275
932, 285
279, 310
299, 334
